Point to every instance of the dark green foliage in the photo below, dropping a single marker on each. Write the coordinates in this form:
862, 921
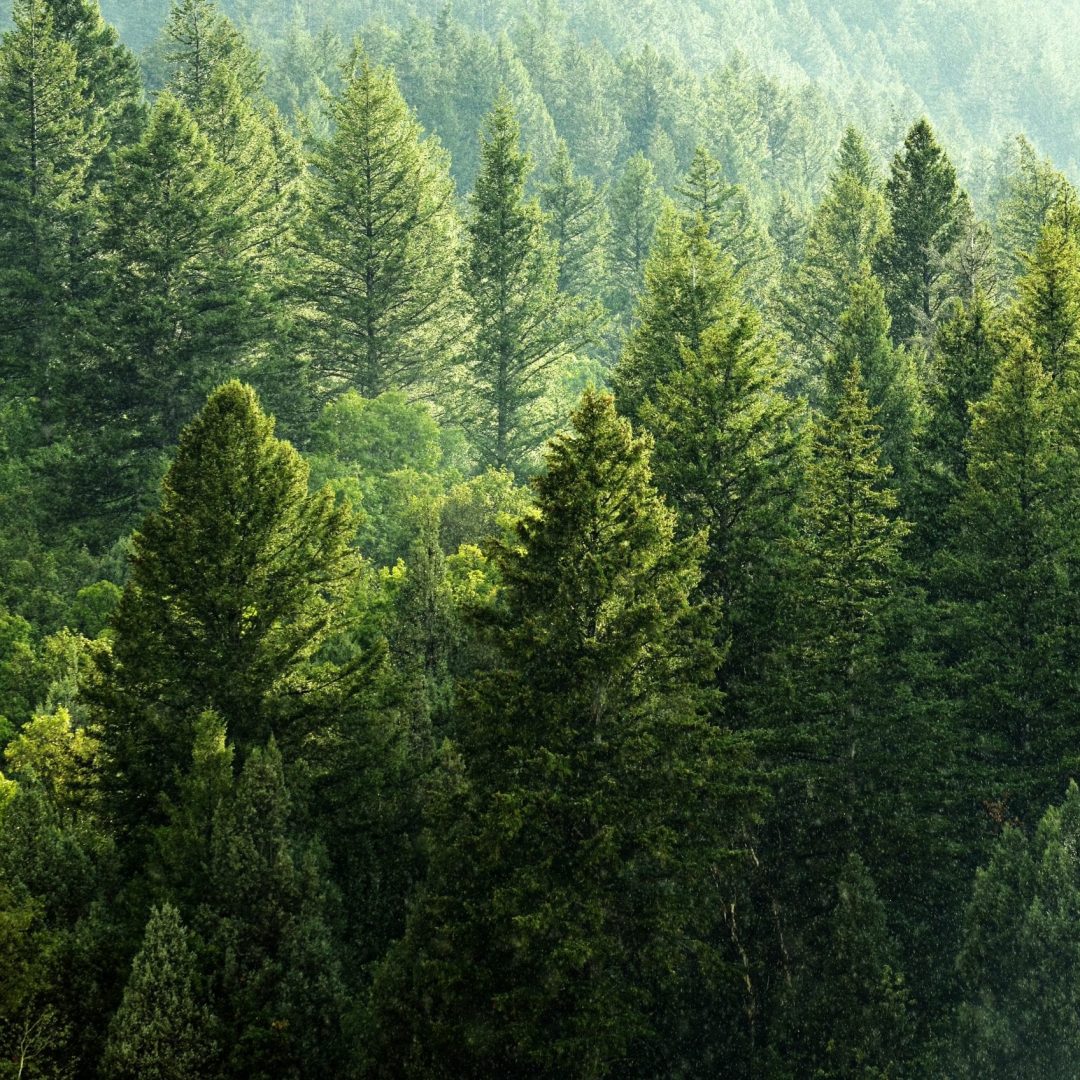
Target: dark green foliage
241, 575
549, 930
521, 325
162, 1030
926, 209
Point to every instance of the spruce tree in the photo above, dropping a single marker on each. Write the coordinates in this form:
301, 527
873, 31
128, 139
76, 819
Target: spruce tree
635, 203
1006, 577
844, 234
565, 895
240, 576
178, 311
162, 1030
577, 222
46, 153
688, 288
926, 210
521, 324
380, 243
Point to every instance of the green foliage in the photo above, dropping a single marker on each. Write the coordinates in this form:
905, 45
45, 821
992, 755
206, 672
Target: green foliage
242, 576
549, 929
521, 324
380, 242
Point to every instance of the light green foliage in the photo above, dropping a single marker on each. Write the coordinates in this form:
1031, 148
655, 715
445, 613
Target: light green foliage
380, 239
163, 1030
62, 759
635, 203
521, 325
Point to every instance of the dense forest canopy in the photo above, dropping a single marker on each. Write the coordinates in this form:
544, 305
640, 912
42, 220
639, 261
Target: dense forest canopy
539, 540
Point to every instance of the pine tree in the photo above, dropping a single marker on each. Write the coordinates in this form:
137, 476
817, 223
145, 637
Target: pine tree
688, 288
844, 234
635, 204
962, 368
1048, 301
380, 243
46, 152
888, 375
521, 324
565, 895
162, 1030
926, 209
729, 221
278, 980
241, 576
727, 459
1019, 961
178, 311
1006, 577
577, 222
114, 93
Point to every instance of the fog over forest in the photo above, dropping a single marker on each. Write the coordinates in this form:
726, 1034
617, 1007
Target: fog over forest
539, 539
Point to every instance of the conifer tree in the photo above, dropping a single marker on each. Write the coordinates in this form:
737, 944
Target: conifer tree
577, 222
179, 309
1048, 301
521, 324
240, 576
843, 236
46, 152
926, 210
278, 979
1018, 965
964, 358
727, 459
566, 893
380, 243
688, 288
635, 204
162, 1030
888, 375
114, 93
1007, 577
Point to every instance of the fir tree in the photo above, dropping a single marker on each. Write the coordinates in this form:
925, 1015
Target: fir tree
521, 325
241, 576
926, 209
379, 237
577, 222
162, 1030
566, 893
635, 203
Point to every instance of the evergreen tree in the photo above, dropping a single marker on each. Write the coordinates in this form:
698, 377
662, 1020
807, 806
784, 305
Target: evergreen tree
635, 203
179, 310
46, 152
1019, 961
566, 894
114, 93
962, 368
241, 576
577, 222
688, 288
521, 324
888, 376
843, 237
162, 1030
1006, 577
380, 268
1048, 301
278, 980
926, 209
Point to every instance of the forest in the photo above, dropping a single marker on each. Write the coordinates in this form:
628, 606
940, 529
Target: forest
539, 539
